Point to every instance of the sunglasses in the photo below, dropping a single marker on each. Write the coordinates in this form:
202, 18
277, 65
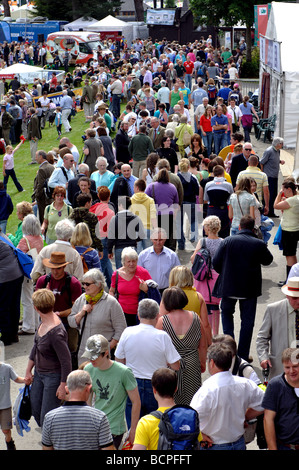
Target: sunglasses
87, 283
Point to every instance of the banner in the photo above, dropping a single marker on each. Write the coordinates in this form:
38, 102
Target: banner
270, 53
162, 16
261, 15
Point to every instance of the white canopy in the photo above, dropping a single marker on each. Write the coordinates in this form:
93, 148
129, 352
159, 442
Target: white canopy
80, 23
283, 69
26, 73
108, 24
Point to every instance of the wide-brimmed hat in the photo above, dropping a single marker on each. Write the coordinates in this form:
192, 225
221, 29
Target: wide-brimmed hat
102, 106
56, 260
95, 345
291, 288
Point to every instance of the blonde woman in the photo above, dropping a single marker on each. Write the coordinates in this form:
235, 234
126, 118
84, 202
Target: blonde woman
81, 240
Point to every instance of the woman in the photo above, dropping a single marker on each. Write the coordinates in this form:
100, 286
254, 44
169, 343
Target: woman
184, 329
100, 312
162, 114
55, 212
197, 148
211, 227
182, 132
23, 208
168, 152
150, 170
50, 357
102, 177
81, 240
287, 201
204, 170
150, 101
206, 128
127, 282
242, 202
190, 192
31, 243
247, 110
132, 127
166, 198
212, 91
182, 277
108, 147
194, 168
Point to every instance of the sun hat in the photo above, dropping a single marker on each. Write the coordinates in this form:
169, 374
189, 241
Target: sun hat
291, 288
56, 260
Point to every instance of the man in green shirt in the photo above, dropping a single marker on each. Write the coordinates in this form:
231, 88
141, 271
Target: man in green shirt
140, 147
112, 384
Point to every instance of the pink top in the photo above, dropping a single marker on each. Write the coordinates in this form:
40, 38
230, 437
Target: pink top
104, 214
128, 291
34, 242
9, 161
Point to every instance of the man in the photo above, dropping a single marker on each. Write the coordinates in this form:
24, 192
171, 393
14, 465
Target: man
88, 100
224, 91
219, 123
125, 230
235, 113
216, 195
180, 69
64, 231
199, 111
270, 162
75, 425
140, 147
44, 172
241, 253
124, 185
164, 384
159, 260
144, 361
45, 105
33, 133
73, 184
224, 402
121, 143
144, 206
189, 67
66, 104
281, 421
198, 95
186, 94
66, 289
92, 149
84, 187
116, 92
73, 149
156, 132
61, 175
240, 162
171, 75
81, 213
278, 329
261, 179
112, 384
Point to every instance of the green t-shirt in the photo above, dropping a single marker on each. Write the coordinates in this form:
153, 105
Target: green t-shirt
110, 388
53, 216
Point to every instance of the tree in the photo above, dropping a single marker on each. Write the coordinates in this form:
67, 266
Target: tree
70, 10
231, 12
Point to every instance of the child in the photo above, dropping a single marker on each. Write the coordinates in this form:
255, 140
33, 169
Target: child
8, 166
58, 121
7, 373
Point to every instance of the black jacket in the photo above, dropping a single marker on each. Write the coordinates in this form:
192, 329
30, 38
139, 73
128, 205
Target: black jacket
238, 261
125, 229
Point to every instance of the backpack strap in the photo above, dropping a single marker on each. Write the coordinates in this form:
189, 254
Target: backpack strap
157, 414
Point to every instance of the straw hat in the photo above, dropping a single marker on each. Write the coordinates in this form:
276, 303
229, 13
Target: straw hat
291, 288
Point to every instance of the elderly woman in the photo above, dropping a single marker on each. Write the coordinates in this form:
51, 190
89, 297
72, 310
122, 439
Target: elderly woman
184, 329
103, 176
182, 277
127, 282
31, 243
180, 133
55, 212
93, 148
211, 226
50, 357
23, 208
108, 147
98, 311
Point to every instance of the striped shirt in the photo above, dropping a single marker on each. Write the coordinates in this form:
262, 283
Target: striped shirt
259, 176
76, 426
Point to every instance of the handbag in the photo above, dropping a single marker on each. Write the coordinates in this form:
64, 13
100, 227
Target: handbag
25, 261
31, 251
116, 294
25, 411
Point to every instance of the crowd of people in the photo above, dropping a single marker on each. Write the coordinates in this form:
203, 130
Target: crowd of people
118, 322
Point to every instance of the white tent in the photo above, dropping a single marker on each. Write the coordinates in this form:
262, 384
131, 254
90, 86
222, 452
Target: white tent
279, 70
80, 24
112, 24
26, 73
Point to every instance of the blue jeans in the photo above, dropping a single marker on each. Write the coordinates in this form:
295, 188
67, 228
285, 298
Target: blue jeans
148, 401
208, 141
43, 395
3, 224
237, 445
247, 313
220, 141
106, 263
188, 80
116, 105
11, 173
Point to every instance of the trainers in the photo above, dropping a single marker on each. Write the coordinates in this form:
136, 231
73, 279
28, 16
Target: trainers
10, 445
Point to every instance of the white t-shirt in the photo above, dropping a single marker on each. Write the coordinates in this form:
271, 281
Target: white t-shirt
145, 350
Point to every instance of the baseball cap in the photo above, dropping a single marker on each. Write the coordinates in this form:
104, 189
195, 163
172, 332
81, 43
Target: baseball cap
95, 345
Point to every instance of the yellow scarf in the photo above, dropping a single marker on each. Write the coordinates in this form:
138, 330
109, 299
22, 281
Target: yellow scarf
95, 299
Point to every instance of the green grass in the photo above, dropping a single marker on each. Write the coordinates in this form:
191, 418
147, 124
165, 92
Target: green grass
26, 173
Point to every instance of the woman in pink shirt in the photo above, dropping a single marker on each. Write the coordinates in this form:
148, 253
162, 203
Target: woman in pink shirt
8, 166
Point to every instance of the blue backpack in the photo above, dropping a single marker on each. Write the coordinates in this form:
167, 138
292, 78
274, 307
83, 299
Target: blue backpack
26, 263
178, 428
